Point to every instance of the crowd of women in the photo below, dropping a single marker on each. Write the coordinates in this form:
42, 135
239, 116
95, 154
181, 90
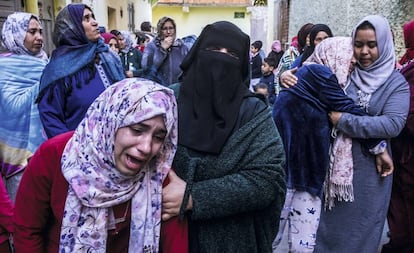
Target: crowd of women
94, 150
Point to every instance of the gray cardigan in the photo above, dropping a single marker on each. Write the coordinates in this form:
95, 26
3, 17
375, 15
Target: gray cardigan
356, 226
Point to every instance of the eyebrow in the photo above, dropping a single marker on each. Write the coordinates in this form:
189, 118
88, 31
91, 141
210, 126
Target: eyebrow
159, 130
89, 15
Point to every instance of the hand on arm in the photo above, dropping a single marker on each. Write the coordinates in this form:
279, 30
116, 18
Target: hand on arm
172, 197
288, 78
334, 117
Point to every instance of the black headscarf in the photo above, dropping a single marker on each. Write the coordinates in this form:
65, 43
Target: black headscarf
312, 35
213, 87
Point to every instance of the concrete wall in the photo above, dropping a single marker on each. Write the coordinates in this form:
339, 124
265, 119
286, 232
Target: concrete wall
342, 15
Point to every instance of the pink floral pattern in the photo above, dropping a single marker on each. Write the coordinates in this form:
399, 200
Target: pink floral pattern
95, 185
336, 53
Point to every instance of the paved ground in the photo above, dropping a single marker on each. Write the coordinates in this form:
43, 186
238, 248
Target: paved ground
283, 247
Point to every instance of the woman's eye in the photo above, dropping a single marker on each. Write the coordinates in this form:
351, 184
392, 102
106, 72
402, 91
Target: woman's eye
136, 130
159, 138
358, 45
212, 48
372, 44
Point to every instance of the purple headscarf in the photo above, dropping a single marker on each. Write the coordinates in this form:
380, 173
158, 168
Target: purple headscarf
74, 51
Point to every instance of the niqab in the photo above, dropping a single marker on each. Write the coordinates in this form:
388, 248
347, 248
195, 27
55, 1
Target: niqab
213, 87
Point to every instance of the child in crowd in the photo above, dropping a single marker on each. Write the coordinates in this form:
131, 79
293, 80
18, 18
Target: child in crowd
255, 61
268, 78
262, 88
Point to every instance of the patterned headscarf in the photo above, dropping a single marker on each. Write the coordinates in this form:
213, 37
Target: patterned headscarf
369, 79
14, 32
128, 41
408, 30
335, 53
95, 185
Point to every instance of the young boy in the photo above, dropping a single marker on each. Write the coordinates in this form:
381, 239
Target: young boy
261, 88
255, 61
268, 78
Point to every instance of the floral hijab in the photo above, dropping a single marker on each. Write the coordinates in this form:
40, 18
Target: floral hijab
14, 32
335, 53
95, 185
369, 79
128, 41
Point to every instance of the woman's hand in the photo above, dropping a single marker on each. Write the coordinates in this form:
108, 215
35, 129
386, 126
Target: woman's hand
167, 42
129, 73
334, 117
288, 78
172, 197
384, 163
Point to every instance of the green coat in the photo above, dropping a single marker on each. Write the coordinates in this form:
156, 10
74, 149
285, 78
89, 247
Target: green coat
238, 194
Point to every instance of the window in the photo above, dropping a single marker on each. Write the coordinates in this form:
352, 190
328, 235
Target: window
239, 15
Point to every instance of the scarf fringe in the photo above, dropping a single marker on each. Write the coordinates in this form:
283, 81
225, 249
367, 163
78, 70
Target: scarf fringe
337, 192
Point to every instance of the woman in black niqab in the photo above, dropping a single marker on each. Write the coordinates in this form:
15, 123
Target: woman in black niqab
213, 87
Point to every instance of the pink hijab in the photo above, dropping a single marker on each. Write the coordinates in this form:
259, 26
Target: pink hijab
335, 53
108, 36
276, 46
408, 30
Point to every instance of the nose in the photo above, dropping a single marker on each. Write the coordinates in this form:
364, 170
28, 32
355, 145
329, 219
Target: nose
94, 22
145, 144
364, 50
39, 37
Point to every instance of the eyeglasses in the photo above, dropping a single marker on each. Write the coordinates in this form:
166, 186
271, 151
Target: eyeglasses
111, 45
168, 28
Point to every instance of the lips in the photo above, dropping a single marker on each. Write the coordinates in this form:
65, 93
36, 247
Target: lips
365, 61
133, 163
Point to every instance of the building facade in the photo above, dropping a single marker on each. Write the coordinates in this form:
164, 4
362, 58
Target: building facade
262, 20
341, 16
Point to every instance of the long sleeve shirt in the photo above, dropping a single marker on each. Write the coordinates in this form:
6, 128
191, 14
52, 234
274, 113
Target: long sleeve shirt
40, 203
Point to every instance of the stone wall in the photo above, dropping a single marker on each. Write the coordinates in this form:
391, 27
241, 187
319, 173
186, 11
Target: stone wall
342, 15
